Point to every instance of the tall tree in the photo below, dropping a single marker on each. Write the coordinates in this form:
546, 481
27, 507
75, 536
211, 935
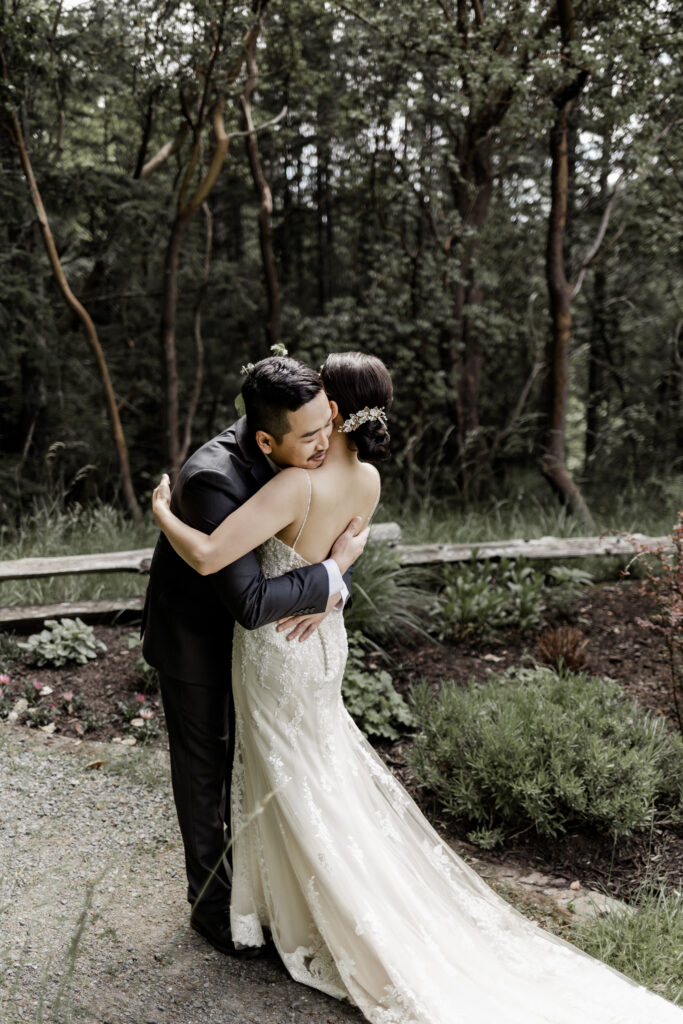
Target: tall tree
12, 125
559, 288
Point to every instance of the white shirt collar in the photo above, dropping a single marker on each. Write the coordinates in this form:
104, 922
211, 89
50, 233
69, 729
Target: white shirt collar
273, 465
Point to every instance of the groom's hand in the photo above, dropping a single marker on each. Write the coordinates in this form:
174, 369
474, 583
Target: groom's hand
350, 544
304, 625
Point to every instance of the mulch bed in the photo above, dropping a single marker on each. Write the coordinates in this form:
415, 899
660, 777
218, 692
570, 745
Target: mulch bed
109, 691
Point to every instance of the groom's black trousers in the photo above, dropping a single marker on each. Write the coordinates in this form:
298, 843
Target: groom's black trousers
200, 722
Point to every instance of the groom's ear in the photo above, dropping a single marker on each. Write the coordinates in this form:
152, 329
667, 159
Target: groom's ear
334, 408
264, 442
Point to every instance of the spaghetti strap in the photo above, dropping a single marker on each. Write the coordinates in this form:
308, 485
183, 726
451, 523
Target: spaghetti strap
308, 509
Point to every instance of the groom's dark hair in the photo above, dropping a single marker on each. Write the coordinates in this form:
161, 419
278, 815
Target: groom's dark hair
274, 387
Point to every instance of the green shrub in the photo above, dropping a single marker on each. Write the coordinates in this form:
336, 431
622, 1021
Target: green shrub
370, 697
645, 944
565, 583
388, 598
61, 642
534, 748
478, 597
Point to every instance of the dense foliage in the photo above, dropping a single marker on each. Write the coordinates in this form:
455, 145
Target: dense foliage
370, 697
546, 750
411, 199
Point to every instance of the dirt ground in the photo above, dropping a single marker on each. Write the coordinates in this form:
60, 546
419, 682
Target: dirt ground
110, 700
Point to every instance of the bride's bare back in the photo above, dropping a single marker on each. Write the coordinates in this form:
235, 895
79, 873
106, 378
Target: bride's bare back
341, 489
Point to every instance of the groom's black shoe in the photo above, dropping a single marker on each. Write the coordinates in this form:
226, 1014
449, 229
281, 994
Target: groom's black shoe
216, 930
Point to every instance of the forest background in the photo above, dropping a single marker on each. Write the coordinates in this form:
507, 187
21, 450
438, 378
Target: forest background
488, 197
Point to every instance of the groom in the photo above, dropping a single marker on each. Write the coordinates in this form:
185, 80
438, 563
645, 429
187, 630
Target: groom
188, 619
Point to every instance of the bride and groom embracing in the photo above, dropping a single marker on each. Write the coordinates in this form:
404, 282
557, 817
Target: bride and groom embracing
363, 899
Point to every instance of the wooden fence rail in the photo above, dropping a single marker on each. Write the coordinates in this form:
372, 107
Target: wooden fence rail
138, 561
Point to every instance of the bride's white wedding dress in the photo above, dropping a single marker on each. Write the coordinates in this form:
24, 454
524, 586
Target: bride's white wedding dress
363, 899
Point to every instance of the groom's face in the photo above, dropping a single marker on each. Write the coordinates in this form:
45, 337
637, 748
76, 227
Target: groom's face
306, 443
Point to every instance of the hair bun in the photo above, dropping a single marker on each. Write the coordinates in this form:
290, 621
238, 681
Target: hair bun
372, 439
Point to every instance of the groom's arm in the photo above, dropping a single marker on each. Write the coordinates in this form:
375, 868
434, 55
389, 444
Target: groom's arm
252, 600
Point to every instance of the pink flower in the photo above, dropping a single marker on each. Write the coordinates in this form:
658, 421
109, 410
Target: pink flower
146, 713
140, 698
68, 696
4, 679
37, 685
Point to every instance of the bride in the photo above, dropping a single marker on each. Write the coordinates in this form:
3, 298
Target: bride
363, 899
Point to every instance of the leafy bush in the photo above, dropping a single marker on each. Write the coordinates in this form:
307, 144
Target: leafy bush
534, 748
370, 697
388, 598
61, 642
564, 585
644, 942
478, 597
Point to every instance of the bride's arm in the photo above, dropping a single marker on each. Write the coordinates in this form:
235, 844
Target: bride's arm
280, 502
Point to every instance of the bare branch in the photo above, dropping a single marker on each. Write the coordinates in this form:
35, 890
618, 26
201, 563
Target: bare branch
592, 253
519, 405
198, 341
357, 14
172, 146
447, 13
260, 127
217, 160
265, 197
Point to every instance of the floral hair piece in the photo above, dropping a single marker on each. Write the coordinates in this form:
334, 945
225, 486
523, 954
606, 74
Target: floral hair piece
246, 370
362, 416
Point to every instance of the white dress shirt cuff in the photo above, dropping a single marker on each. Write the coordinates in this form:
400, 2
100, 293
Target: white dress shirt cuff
337, 585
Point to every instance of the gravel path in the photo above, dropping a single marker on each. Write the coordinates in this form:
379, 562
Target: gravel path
93, 915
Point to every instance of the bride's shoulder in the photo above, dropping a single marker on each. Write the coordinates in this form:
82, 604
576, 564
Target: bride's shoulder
290, 481
370, 474
368, 485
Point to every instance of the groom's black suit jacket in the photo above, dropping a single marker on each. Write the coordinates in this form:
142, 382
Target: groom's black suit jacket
188, 619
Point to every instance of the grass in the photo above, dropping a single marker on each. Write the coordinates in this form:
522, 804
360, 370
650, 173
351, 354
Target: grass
646, 944
648, 507
48, 531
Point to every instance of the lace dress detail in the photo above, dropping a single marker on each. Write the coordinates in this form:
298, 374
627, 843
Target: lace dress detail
363, 898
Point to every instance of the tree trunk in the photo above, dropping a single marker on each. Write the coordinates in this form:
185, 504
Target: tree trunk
186, 208
266, 199
169, 364
85, 319
323, 204
597, 344
554, 463
463, 358
198, 340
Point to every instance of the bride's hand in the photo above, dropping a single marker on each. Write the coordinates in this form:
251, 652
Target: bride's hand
161, 497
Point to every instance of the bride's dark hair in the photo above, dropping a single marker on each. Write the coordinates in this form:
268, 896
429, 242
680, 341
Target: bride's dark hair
355, 380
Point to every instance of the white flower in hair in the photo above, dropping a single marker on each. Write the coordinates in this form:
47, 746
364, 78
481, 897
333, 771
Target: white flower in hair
365, 415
